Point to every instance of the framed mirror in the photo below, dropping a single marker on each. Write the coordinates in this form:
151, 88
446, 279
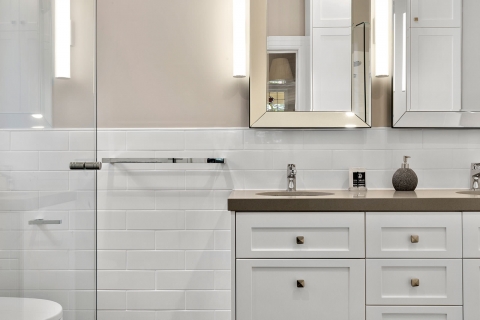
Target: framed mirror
310, 64
436, 66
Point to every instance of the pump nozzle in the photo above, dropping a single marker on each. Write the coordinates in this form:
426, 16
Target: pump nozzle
405, 163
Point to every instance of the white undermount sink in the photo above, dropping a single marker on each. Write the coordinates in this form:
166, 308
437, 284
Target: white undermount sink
471, 192
295, 194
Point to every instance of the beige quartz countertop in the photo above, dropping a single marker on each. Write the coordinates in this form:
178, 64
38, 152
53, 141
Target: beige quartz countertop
375, 200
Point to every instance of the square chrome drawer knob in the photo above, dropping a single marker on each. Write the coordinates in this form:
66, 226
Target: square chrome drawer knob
415, 282
300, 240
414, 238
300, 283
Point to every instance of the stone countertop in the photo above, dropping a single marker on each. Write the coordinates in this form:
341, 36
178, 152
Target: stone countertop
440, 200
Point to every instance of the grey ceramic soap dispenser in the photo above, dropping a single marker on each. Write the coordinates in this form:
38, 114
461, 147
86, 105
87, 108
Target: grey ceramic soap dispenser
405, 179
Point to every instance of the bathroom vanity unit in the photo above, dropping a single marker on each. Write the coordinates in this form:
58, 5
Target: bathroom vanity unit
380, 255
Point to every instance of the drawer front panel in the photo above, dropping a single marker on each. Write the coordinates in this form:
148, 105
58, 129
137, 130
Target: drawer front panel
299, 235
414, 282
471, 234
300, 289
414, 235
414, 313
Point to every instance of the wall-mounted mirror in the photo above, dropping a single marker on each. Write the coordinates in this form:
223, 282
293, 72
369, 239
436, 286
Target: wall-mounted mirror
310, 64
436, 63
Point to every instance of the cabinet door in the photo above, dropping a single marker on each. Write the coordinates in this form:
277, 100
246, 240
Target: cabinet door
29, 14
414, 235
9, 15
393, 282
9, 72
332, 69
414, 313
471, 234
436, 13
471, 283
270, 289
332, 13
436, 69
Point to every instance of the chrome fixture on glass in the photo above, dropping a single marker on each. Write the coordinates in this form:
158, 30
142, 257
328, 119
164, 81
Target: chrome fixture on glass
292, 177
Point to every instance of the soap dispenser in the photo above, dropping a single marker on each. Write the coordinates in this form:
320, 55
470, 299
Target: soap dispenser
405, 179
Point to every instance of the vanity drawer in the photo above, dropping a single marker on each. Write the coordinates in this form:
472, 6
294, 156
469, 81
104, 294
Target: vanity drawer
414, 313
300, 289
414, 235
414, 282
300, 235
471, 234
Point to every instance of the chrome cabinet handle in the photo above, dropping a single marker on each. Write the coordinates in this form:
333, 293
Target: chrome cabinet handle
415, 282
414, 238
300, 240
300, 283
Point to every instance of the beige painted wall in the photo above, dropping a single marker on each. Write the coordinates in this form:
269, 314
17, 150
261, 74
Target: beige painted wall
286, 18
74, 99
164, 63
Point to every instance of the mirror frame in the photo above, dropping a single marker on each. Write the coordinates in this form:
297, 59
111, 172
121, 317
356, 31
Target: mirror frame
402, 117
259, 117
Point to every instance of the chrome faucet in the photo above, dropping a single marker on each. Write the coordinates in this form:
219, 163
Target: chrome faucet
292, 177
475, 175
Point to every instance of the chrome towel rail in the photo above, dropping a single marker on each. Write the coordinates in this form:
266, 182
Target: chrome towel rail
163, 160
42, 222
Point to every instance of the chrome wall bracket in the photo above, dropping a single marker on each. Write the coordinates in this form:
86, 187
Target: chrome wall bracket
85, 165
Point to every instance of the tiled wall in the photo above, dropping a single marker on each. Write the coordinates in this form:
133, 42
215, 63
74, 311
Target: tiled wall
54, 262
164, 234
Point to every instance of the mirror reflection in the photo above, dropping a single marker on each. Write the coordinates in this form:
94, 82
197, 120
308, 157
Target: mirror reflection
47, 63
436, 63
317, 61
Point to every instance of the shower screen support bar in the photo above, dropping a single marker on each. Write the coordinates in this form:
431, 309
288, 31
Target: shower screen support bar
163, 160
42, 222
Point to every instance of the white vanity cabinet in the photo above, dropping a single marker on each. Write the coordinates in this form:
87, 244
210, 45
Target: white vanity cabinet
285, 265
471, 265
356, 265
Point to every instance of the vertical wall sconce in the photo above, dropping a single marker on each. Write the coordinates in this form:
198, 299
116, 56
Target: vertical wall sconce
239, 39
382, 18
63, 41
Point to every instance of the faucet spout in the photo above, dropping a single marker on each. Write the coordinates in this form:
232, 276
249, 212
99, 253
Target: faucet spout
292, 177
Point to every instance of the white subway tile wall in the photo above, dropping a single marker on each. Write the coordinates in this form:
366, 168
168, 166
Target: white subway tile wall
164, 229
54, 262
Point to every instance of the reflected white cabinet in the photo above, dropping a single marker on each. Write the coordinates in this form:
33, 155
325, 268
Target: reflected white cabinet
300, 289
20, 56
332, 13
331, 51
436, 14
471, 282
436, 69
